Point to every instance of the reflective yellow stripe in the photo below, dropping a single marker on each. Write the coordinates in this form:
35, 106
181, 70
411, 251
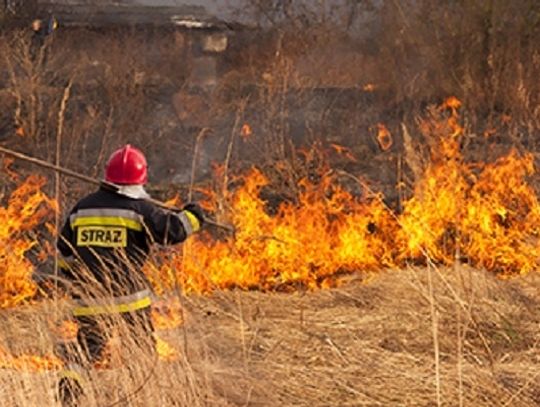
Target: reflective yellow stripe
107, 221
66, 262
63, 264
112, 308
195, 224
72, 374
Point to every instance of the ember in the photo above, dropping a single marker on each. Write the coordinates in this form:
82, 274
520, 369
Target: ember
384, 137
246, 131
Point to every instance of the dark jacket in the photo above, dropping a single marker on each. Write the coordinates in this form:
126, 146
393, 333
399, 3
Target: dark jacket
110, 235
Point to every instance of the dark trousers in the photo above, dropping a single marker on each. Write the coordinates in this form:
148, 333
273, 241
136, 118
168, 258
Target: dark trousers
94, 332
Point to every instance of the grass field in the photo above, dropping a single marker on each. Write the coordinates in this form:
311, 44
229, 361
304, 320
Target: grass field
412, 337
412, 140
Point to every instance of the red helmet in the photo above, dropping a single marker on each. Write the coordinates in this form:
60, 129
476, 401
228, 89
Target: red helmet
126, 166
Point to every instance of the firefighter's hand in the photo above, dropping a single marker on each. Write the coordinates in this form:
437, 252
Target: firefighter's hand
195, 210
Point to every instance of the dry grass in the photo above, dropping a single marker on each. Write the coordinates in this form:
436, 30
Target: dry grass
365, 344
460, 338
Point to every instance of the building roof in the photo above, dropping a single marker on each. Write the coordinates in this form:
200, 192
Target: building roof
114, 14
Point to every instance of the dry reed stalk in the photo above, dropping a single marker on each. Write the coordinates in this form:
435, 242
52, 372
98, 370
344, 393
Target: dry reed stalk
459, 357
57, 177
204, 131
434, 331
186, 247
234, 131
242, 329
412, 157
105, 143
522, 388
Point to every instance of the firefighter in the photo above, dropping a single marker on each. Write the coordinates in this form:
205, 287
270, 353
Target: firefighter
104, 244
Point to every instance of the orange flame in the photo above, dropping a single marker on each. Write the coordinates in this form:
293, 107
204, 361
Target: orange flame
486, 212
26, 208
166, 315
369, 87
246, 131
19, 131
384, 137
452, 103
301, 245
344, 151
166, 351
486, 215
483, 213
66, 330
7, 168
175, 201
28, 363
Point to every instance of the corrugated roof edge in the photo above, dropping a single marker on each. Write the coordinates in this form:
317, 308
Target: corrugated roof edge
186, 16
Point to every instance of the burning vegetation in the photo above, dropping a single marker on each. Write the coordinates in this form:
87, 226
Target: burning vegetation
484, 214
26, 208
440, 221
33, 363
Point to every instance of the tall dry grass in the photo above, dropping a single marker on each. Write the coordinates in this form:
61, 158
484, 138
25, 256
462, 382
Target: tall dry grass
411, 337
389, 339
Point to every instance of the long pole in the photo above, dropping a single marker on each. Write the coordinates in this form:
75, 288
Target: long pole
91, 180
